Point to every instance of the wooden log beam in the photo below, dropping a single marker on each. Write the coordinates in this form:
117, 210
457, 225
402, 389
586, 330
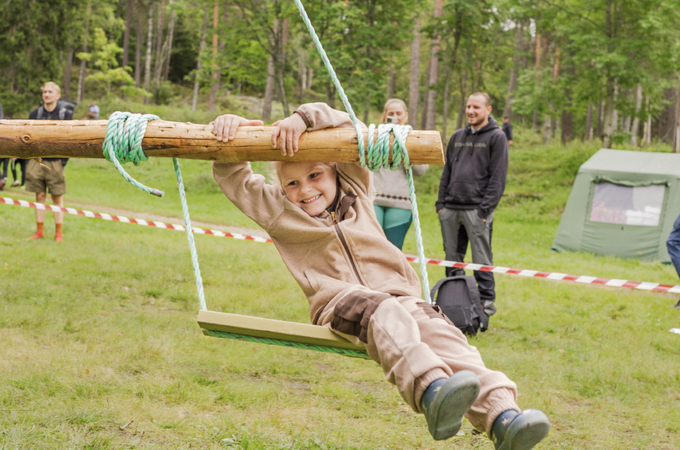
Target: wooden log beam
84, 139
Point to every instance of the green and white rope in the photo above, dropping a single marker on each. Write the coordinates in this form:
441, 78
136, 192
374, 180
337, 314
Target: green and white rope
190, 235
378, 152
260, 340
123, 144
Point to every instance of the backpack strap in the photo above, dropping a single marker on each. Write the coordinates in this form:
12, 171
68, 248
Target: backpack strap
477, 303
436, 287
433, 292
41, 113
62, 113
474, 291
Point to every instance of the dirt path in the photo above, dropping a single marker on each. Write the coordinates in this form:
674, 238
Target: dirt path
141, 215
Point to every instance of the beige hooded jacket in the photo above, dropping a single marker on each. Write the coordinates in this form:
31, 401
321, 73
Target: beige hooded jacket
325, 257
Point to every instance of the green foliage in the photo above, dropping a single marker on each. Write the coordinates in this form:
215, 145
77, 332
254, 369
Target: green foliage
107, 72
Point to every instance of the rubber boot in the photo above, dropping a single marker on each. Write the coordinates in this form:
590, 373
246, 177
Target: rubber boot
519, 431
445, 402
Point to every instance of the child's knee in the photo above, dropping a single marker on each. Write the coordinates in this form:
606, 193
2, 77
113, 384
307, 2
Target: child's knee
353, 313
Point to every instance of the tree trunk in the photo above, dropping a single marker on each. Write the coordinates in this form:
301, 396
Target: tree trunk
280, 64
676, 131
567, 125
636, 121
126, 35
414, 75
433, 77
68, 69
668, 118
199, 64
269, 90
168, 45
215, 74
608, 123
83, 63
534, 120
139, 38
310, 76
445, 98
588, 134
463, 100
302, 75
149, 45
423, 116
158, 61
512, 85
600, 120
330, 94
391, 81
647, 133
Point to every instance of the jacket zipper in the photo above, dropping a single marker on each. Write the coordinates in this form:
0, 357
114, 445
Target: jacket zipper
346, 247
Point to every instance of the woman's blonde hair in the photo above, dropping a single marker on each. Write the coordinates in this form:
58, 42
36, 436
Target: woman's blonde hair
388, 103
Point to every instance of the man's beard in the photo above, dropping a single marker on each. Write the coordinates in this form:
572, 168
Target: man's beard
476, 124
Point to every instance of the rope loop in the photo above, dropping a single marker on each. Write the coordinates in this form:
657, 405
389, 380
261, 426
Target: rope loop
123, 144
378, 154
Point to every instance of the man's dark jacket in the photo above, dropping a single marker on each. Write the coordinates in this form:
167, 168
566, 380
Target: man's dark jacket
56, 114
475, 170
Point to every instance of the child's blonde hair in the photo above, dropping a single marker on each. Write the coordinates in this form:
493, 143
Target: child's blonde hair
388, 103
275, 174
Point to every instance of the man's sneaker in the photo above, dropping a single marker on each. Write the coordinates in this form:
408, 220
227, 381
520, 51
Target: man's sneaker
58, 237
38, 235
2, 183
16, 183
446, 401
519, 431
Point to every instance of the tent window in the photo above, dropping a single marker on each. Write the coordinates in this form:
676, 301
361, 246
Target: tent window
640, 205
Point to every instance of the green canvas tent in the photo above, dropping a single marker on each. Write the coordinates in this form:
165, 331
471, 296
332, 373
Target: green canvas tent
623, 203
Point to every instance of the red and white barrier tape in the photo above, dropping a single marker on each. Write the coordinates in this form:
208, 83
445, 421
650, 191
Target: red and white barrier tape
147, 223
643, 286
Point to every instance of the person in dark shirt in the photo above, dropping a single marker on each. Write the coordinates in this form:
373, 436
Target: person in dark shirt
507, 129
49, 173
472, 183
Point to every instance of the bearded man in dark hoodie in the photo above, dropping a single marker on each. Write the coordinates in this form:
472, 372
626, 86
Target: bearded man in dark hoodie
471, 186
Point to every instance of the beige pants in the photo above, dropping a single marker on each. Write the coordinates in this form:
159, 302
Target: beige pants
415, 345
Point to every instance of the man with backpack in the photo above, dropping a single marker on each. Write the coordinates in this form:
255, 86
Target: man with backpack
48, 174
472, 183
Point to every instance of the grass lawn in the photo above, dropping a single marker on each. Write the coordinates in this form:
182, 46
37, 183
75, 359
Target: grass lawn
99, 348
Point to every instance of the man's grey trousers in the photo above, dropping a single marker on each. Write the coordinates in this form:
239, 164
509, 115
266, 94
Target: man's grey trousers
479, 236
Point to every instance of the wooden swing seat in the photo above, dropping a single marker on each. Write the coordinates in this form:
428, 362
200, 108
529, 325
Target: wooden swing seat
258, 327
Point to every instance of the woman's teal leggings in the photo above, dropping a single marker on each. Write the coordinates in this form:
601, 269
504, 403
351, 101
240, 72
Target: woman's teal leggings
395, 222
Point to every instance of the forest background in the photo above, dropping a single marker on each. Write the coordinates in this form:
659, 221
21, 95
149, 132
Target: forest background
570, 69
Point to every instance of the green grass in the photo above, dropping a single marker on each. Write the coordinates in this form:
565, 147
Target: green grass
100, 330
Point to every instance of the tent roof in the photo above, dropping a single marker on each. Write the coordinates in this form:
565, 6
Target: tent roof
633, 162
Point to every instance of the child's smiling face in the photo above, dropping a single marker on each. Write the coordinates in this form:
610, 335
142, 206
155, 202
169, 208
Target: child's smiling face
310, 185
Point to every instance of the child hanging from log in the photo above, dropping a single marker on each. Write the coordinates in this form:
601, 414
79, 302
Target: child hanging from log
322, 220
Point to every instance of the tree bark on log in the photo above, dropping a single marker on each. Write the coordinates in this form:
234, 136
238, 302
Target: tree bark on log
84, 139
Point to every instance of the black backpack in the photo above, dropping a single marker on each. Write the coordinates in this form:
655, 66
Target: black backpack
62, 105
458, 299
